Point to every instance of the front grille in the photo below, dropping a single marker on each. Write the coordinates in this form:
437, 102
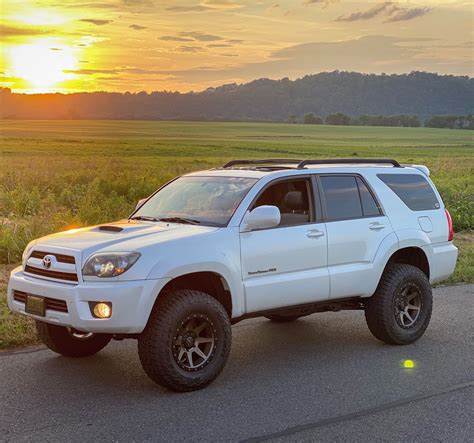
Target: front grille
59, 257
51, 274
51, 304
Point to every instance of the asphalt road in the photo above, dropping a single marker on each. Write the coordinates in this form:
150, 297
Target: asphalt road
322, 378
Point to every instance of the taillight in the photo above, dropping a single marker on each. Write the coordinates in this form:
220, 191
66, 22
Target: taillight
450, 225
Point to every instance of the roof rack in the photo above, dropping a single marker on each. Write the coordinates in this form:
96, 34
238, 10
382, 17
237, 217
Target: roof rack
382, 161
267, 161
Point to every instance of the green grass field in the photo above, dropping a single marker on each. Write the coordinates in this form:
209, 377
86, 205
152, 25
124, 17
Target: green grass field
60, 174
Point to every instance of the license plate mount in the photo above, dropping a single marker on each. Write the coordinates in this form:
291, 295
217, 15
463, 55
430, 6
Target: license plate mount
35, 305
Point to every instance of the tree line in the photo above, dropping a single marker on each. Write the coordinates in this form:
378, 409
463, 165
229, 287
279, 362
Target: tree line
405, 121
379, 99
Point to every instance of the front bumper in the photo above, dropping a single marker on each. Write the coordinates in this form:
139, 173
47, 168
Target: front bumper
132, 302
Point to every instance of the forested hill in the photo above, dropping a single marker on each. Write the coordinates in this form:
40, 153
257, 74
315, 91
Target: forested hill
418, 93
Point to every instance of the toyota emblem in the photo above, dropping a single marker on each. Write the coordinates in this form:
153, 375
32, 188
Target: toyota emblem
47, 261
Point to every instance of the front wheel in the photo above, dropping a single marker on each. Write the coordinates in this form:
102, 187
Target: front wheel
187, 340
69, 342
400, 310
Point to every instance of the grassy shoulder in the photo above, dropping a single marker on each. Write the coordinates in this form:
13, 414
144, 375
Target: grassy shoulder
16, 330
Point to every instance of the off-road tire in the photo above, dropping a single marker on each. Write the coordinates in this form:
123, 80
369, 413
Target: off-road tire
60, 340
380, 312
279, 318
156, 344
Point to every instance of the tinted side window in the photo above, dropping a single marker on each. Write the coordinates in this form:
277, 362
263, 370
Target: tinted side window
413, 190
342, 197
369, 205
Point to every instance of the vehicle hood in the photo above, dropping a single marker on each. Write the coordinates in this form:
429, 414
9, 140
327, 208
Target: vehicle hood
124, 235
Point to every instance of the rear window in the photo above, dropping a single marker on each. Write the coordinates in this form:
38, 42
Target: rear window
370, 207
342, 197
413, 189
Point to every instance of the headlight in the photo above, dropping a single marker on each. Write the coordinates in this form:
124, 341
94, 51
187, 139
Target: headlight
109, 264
26, 252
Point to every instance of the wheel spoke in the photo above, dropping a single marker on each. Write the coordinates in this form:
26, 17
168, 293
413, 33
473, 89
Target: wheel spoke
181, 353
408, 316
402, 320
201, 340
405, 291
190, 359
199, 352
413, 307
200, 328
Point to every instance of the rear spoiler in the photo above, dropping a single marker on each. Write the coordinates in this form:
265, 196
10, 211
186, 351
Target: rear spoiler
421, 168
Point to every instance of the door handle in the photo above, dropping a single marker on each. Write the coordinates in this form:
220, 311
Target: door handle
376, 226
314, 233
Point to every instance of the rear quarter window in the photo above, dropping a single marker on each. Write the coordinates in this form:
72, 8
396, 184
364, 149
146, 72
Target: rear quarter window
413, 189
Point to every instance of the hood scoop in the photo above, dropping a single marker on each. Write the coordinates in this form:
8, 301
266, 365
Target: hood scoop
110, 228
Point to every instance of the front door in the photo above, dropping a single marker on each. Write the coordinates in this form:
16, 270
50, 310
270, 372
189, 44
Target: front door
286, 265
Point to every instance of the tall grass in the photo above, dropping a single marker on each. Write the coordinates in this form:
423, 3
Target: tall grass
61, 176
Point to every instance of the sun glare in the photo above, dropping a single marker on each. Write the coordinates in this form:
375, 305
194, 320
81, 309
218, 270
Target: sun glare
42, 63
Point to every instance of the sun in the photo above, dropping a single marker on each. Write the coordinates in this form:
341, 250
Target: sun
43, 63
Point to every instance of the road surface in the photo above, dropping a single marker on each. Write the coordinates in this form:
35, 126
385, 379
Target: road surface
321, 378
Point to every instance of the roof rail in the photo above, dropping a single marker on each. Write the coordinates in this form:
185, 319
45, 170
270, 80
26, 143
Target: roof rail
267, 161
338, 161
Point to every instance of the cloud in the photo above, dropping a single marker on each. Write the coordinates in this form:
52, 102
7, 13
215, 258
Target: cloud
324, 3
195, 8
223, 4
171, 38
190, 49
390, 10
96, 21
114, 71
90, 71
402, 14
219, 45
201, 36
89, 5
14, 31
376, 53
365, 15
137, 27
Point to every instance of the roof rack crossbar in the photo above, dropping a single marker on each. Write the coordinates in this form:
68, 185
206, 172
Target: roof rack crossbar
267, 161
382, 161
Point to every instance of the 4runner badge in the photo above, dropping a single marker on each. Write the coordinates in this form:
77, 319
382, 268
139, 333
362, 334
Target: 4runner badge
262, 272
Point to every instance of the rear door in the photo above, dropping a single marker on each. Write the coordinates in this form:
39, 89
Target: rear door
355, 228
286, 265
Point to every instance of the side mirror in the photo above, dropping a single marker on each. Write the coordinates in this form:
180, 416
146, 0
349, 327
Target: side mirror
140, 203
260, 218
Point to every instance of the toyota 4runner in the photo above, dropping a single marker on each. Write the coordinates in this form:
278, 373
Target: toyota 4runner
278, 238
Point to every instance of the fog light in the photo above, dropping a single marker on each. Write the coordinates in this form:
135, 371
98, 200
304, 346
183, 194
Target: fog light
102, 310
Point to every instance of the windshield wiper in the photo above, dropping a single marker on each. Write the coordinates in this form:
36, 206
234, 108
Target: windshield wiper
145, 218
189, 221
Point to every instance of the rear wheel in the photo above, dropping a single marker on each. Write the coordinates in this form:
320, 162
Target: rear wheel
187, 340
70, 342
400, 310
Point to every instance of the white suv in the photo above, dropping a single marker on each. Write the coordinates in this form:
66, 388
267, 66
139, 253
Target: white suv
278, 238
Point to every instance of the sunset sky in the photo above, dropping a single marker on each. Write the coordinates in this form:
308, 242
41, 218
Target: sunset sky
135, 45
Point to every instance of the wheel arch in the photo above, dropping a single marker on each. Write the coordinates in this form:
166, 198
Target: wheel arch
210, 282
412, 255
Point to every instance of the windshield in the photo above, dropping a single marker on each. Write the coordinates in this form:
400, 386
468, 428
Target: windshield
197, 200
